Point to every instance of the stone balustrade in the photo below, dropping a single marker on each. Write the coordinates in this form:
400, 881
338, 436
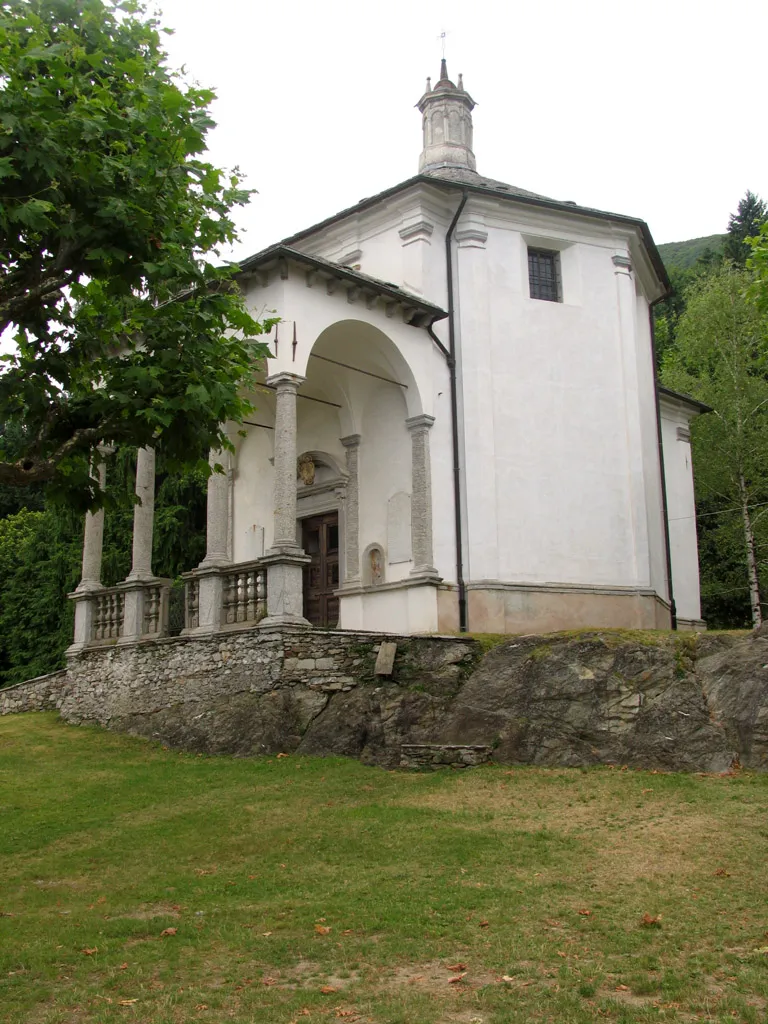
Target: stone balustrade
223, 596
108, 616
107, 613
245, 594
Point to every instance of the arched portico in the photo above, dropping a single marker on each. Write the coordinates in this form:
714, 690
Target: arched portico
351, 385
362, 480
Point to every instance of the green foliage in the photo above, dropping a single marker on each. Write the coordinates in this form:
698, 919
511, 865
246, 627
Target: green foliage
41, 551
758, 264
39, 564
685, 255
749, 218
125, 332
721, 358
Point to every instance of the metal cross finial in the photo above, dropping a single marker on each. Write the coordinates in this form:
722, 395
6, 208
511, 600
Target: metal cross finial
442, 37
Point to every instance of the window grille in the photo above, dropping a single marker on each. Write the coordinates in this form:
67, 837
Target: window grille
544, 275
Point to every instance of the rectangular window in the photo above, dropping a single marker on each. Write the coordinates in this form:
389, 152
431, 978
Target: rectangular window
544, 275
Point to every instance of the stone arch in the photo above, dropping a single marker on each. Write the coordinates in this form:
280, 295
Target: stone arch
350, 348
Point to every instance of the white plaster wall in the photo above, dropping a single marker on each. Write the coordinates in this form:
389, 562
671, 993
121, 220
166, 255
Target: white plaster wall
253, 490
650, 440
681, 508
384, 468
561, 478
556, 493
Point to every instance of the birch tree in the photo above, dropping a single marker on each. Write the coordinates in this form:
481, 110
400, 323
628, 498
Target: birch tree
721, 358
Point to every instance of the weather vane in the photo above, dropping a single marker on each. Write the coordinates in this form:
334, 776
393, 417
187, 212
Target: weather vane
442, 37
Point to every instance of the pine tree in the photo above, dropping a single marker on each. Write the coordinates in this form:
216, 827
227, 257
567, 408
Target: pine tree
752, 213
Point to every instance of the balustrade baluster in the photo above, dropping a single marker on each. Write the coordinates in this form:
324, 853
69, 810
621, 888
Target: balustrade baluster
250, 612
261, 591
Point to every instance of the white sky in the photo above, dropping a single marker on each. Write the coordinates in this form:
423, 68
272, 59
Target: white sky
654, 109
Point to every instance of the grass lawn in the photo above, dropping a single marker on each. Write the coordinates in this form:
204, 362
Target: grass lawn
144, 885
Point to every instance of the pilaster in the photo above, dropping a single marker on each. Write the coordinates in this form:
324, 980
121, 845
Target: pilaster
352, 511
421, 496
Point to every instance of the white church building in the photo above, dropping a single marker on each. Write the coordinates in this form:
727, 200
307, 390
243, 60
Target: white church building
459, 426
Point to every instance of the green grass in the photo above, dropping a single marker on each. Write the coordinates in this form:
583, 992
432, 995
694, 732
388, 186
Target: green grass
538, 876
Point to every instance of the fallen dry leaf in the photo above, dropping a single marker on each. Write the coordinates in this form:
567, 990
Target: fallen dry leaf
123, 967
722, 873
457, 967
322, 929
561, 953
90, 952
265, 935
282, 755
622, 988
348, 931
483, 924
507, 978
648, 921
585, 913
166, 932
268, 981
202, 1006
128, 1002
327, 989
457, 979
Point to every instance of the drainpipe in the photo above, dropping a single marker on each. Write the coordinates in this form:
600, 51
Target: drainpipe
450, 358
664, 509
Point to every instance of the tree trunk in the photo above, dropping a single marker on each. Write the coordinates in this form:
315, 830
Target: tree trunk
749, 539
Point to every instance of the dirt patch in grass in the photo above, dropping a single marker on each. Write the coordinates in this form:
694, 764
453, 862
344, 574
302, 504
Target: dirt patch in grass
146, 913
439, 978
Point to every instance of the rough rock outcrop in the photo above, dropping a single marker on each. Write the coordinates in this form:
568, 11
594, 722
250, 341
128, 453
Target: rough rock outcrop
685, 701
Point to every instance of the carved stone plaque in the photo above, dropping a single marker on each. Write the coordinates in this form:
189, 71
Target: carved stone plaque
399, 528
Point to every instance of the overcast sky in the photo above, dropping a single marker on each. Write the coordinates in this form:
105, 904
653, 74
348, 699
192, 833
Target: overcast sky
655, 109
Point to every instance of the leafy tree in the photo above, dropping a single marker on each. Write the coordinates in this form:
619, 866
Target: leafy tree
721, 357
750, 216
41, 552
758, 264
125, 332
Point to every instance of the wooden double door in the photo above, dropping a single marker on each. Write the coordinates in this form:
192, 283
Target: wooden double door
320, 540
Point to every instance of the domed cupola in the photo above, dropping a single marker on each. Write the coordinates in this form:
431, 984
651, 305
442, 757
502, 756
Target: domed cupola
446, 114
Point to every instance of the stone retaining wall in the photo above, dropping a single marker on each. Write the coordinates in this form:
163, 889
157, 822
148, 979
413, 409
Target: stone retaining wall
696, 702
40, 694
251, 691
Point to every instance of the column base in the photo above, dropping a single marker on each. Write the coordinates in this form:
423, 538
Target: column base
285, 588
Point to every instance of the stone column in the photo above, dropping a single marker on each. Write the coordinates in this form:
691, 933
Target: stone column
285, 559
286, 385
93, 542
421, 496
210, 580
143, 516
141, 563
217, 510
352, 511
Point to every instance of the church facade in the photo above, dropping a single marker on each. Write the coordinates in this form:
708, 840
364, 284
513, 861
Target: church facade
459, 427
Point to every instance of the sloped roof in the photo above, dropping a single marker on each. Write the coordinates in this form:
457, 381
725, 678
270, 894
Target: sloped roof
463, 179
420, 312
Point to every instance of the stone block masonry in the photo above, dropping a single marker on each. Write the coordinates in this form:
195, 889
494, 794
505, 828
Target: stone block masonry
695, 702
260, 691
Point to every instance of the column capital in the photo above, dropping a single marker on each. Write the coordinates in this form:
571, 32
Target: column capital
285, 381
622, 263
351, 440
422, 422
